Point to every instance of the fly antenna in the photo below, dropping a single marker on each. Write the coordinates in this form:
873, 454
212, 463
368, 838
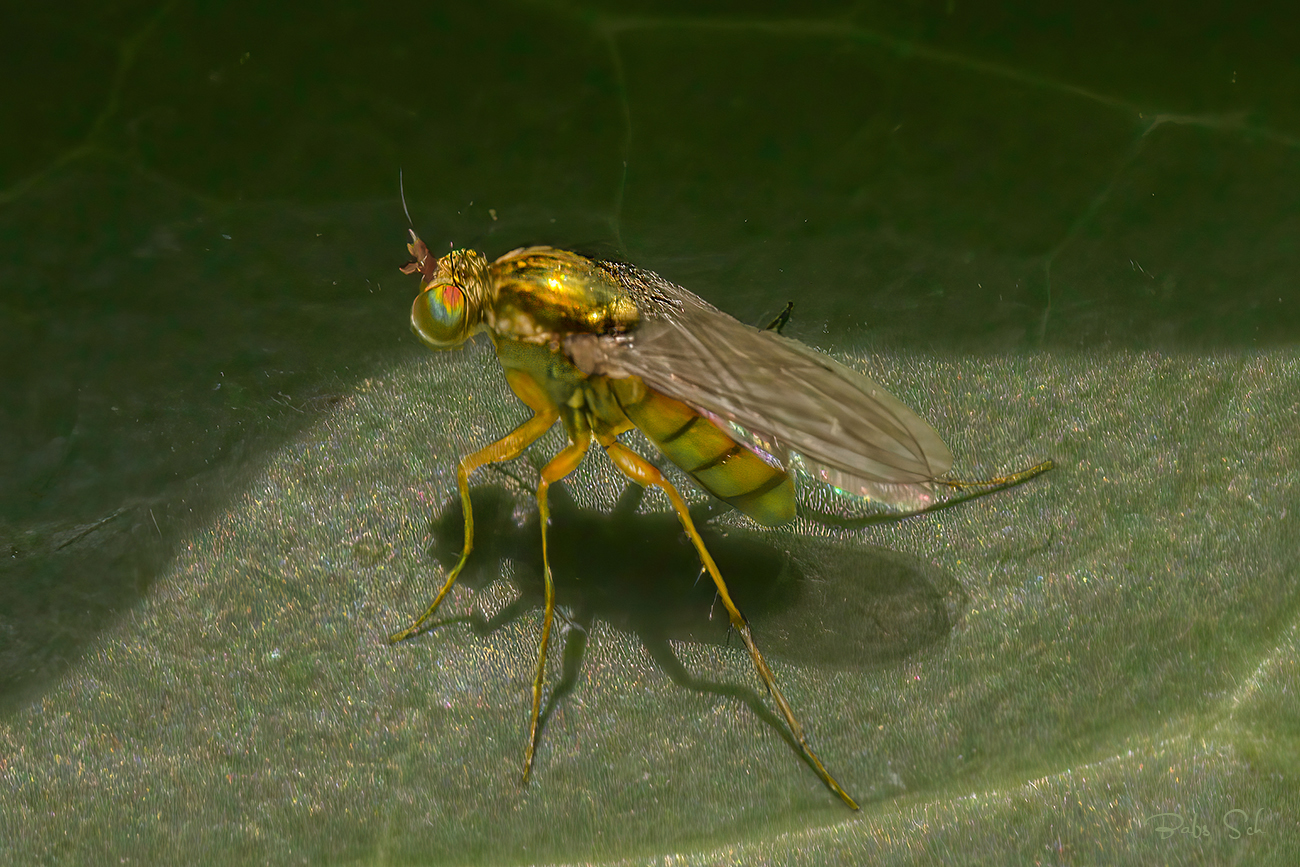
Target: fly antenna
401, 191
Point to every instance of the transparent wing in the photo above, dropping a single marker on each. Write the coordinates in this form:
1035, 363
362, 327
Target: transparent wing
786, 397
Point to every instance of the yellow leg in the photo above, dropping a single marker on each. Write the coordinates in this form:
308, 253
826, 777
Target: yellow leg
559, 467
1002, 481
503, 449
643, 473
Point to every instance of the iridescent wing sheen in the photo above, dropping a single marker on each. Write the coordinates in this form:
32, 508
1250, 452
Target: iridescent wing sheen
786, 397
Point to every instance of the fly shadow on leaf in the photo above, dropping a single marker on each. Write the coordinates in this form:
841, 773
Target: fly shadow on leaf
824, 604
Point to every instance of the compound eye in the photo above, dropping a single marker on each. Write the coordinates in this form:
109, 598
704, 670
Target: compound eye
438, 315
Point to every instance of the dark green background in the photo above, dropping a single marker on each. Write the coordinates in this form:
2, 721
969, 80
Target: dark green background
200, 227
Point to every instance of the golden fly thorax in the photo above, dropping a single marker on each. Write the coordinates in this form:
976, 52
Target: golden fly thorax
542, 295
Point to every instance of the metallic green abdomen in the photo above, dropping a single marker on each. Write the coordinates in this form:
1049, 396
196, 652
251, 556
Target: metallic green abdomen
722, 466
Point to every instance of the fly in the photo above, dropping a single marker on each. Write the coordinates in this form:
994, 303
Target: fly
604, 347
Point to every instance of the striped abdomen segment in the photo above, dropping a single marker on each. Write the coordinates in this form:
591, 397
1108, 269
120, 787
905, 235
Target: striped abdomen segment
724, 467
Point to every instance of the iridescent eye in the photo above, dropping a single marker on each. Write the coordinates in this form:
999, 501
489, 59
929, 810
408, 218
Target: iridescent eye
438, 316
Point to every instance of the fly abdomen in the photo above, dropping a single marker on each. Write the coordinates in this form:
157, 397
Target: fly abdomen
721, 465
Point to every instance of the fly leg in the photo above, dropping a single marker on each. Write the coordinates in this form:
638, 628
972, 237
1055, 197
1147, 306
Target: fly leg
999, 482
558, 467
644, 473
503, 449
